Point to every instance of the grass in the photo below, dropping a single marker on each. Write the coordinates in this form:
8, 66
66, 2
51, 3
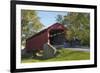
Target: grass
63, 55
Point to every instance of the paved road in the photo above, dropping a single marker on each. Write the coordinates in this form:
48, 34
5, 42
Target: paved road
80, 49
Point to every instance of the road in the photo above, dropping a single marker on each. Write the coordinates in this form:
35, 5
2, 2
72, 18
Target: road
80, 49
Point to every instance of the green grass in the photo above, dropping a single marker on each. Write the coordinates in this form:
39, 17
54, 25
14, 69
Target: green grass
63, 55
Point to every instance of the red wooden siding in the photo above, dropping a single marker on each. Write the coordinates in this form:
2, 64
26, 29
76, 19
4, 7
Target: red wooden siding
37, 42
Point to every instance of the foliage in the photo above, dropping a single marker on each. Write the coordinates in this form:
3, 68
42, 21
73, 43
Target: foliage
30, 24
78, 25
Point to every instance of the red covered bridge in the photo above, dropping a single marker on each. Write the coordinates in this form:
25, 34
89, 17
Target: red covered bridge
53, 35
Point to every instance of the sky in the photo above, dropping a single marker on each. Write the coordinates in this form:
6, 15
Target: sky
48, 18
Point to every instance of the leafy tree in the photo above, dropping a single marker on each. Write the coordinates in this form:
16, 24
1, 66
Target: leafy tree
78, 25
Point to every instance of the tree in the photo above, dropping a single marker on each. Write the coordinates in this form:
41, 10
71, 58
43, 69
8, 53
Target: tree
78, 25
59, 19
30, 24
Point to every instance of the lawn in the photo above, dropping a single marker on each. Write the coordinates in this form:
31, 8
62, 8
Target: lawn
63, 55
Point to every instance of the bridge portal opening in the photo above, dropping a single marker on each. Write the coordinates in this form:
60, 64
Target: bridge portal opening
57, 37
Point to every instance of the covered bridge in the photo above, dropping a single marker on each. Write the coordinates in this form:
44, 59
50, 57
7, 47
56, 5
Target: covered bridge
54, 35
